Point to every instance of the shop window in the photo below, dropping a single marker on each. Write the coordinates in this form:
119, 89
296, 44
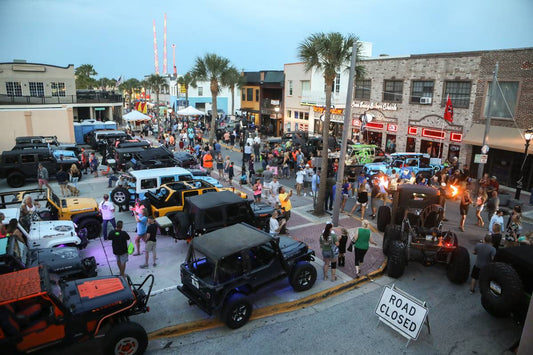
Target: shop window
431, 148
13, 88
459, 92
296, 114
453, 151
58, 89
411, 144
305, 115
362, 89
503, 104
36, 89
393, 90
390, 144
421, 89
249, 94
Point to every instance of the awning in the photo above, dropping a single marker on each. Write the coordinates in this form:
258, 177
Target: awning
504, 138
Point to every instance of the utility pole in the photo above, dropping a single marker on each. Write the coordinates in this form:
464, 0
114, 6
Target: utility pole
347, 127
487, 120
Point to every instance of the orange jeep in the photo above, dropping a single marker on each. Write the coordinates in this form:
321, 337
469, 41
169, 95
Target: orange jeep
37, 311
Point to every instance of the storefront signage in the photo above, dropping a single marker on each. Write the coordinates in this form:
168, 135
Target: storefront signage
274, 102
356, 122
481, 158
456, 137
412, 130
402, 312
374, 105
431, 133
392, 127
375, 125
333, 111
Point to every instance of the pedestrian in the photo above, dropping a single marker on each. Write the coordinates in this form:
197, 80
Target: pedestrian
274, 190
345, 193
342, 246
466, 201
62, 180
285, 202
207, 161
93, 164
374, 197
231, 174
142, 220
257, 188
300, 175
107, 209
151, 233
247, 152
119, 242
496, 235
485, 253
496, 218
361, 244
492, 205
315, 184
220, 166
330, 194
361, 198
75, 175
329, 245
480, 203
42, 176
276, 226
514, 226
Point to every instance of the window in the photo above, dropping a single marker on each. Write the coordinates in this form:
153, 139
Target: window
58, 89
249, 94
296, 114
36, 89
289, 113
290, 88
256, 94
504, 101
393, 90
167, 179
337, 84
362, 89
243, 96
148, 184
421, 89
13, 88
200, 91
459, 92
306, 85
27, 158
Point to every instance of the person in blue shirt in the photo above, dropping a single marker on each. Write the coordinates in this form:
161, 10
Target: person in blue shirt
142, 225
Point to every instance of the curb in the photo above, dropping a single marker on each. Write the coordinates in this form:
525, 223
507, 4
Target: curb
268, 311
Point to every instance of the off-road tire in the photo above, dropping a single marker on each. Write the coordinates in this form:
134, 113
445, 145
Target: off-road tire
92, 226
130, 335
397, 259
384, 217
120, 196
459, 267
237, 311
303, 276
512, 290
15, 180
392, 232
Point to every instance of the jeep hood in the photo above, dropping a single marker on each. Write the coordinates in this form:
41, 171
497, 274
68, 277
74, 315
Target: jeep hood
47, 234
61, 261
81, 204
376, 166
291, 248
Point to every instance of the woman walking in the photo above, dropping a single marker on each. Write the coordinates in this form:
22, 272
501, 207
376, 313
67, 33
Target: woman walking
463, 208
220, 166
480, 203
362, 198
329, 245
342, 246
258, 188
361, 245
75, 175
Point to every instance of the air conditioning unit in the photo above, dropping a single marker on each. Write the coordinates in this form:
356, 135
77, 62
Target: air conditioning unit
425, 100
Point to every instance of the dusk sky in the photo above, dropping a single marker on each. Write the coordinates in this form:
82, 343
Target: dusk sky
116, 37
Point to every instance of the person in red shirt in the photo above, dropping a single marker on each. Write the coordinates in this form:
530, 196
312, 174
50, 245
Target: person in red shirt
207, 161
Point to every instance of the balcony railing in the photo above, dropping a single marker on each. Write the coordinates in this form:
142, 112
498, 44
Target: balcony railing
318, 98
87, 97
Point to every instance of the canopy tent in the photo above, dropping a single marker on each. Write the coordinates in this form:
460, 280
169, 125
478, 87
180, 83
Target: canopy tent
190, 111
135, 116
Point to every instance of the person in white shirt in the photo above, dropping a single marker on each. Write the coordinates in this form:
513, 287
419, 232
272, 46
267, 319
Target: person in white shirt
107, 209
300, 175
257, 140
496, 218
274, 190
275, 225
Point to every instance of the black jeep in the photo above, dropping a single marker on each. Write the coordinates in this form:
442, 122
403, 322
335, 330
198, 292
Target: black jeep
207, 212
225, 266
414, 232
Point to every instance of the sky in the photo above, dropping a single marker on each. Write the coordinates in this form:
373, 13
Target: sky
116, 36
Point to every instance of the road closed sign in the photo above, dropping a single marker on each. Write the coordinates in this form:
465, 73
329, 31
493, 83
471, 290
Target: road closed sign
402, 312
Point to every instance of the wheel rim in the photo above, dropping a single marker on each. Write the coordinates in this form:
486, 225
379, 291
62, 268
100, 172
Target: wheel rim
304, 278
495, 288
239, 313
127, 346
90, 230
119, 197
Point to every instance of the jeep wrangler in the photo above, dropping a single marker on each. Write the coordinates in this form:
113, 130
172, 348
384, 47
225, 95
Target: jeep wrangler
38, 311
225, 266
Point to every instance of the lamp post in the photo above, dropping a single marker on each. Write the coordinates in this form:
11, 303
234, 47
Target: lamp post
528, 134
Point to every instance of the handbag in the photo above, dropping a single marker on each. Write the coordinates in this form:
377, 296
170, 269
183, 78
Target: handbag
350, 246
334, 249
131, 248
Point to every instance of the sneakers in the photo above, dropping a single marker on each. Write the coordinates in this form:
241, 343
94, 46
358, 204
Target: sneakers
144, 266
154, 265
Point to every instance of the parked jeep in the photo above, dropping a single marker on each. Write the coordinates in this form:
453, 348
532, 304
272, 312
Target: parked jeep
36, 311
208, 212
66, 262
225, 266
51, 141
20, 165
506, 284
409, 162
415, 234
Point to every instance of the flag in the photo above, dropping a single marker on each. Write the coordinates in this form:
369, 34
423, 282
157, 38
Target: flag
448, 110
119, 81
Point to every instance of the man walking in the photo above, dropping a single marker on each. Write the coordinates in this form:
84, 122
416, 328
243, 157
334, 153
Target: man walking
119, 240
485, 253
42, 176
107, 209
142, 222
151, 233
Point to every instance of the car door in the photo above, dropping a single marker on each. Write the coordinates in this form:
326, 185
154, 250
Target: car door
264, 265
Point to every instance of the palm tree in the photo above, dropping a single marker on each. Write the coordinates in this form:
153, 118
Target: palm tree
212, 68
232, 79
129, 86
157, 83
327, 53
186, 81
83, 76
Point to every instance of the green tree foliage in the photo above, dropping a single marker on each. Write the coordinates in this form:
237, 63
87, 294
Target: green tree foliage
232, 79
84, 77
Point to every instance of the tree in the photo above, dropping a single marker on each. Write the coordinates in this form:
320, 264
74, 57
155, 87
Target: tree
232, 79
186, 81
212, 68
157, 83
84, 78
129, 86
327, 53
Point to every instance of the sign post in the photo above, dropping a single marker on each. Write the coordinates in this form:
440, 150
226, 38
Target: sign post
402, 312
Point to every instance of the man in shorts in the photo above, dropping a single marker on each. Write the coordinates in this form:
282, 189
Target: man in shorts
42, 176
485, 253
151, 232
142, 224
119, 240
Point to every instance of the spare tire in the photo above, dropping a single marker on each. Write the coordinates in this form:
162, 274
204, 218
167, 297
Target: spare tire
120, 196
384, 217
397, 259
15, 180
501, 289
459, 266
392, 232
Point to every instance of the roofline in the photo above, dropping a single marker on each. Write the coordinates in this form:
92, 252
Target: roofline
447, 54
48, 65
294, 63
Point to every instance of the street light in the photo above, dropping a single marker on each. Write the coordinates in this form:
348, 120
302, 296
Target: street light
528, 134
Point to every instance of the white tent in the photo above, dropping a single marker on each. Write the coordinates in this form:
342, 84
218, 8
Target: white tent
190, 111
135, 116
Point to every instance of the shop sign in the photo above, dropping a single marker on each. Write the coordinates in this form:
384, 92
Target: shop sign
412, 130
456, 137
375, 125
375, 105
431, 133
392, 127
274, 102
356, 122
481, 158
333, 111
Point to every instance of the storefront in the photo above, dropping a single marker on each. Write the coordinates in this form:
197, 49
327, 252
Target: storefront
336, 121
373, 124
